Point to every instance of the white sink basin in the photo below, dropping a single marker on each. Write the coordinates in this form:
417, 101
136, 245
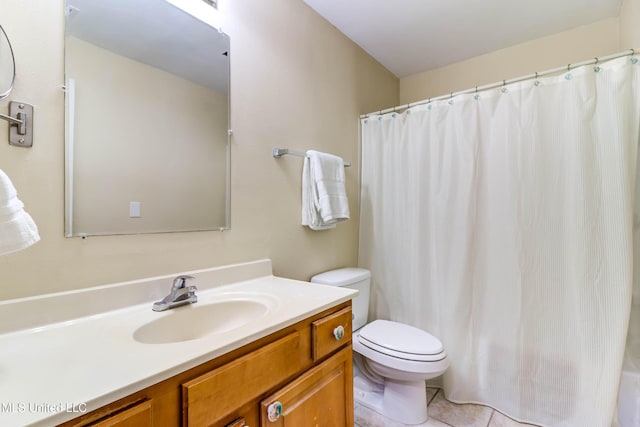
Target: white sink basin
199, 320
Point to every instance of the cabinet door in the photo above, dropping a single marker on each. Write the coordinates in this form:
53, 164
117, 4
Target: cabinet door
217, 395
321, 397
139, 415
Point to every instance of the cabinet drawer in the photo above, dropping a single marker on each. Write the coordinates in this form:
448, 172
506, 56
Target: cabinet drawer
330, 333
139, 415
209, 398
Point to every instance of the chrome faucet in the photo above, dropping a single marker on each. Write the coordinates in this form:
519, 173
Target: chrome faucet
180, 294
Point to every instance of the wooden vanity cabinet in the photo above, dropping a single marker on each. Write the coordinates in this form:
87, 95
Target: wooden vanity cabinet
306, 368
218, 397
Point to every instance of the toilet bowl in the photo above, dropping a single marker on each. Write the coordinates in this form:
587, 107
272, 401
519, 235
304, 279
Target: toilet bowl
400, 358
392, 360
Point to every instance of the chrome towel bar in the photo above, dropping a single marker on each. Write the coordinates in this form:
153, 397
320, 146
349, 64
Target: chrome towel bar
279, 152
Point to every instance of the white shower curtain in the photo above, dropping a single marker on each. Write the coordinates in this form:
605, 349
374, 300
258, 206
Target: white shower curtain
501, 223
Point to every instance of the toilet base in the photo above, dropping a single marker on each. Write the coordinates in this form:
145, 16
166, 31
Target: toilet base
404, 402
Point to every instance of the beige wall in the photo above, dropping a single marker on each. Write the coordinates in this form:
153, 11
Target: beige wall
295, 82
585, 42
143, 134
630, 25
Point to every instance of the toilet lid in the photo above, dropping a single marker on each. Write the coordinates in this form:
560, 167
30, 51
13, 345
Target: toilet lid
400, 340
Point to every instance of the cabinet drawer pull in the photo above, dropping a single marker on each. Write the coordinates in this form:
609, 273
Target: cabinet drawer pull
238, 422
338, 333
274, 411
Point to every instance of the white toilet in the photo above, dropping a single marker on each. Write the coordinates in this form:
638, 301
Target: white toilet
392, 360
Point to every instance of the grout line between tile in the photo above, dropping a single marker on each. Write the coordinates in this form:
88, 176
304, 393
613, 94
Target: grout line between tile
493, 412
432, 399
434, 395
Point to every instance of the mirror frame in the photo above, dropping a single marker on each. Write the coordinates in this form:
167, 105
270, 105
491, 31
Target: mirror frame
69, 230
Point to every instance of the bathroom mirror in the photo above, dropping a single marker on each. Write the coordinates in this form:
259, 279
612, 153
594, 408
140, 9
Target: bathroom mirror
7, 65
146, 112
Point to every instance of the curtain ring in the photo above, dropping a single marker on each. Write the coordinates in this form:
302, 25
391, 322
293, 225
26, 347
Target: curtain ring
568, 67
597, 60
536, 82
476, 89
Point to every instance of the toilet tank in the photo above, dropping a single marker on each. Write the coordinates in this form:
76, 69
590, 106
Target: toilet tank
354, 278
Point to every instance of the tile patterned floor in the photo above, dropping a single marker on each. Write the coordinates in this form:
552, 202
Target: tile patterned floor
442, 413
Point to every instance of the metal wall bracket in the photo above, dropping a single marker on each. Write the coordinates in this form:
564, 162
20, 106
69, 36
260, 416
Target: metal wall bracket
20, 120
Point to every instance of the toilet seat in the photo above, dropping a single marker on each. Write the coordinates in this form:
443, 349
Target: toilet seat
400, 369
401, 341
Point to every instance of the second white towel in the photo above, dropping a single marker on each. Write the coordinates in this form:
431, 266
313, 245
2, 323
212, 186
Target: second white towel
324, 196
17, 229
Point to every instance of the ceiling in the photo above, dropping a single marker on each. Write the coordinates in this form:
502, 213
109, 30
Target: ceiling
411, 36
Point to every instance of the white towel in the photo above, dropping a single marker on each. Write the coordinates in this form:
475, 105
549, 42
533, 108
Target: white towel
17, 229
324, 197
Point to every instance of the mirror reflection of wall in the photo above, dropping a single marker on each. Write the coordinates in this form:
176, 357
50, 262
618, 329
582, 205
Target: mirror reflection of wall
147, 119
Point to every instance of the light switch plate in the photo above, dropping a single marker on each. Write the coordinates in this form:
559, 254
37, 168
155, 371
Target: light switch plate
134, 209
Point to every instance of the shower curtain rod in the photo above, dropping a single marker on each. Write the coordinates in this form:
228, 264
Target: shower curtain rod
536, 75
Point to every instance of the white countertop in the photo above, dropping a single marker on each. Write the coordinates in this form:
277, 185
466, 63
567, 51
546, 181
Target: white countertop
54, 372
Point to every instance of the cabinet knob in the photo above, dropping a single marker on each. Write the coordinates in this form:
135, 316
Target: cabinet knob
338, 333
274, 411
